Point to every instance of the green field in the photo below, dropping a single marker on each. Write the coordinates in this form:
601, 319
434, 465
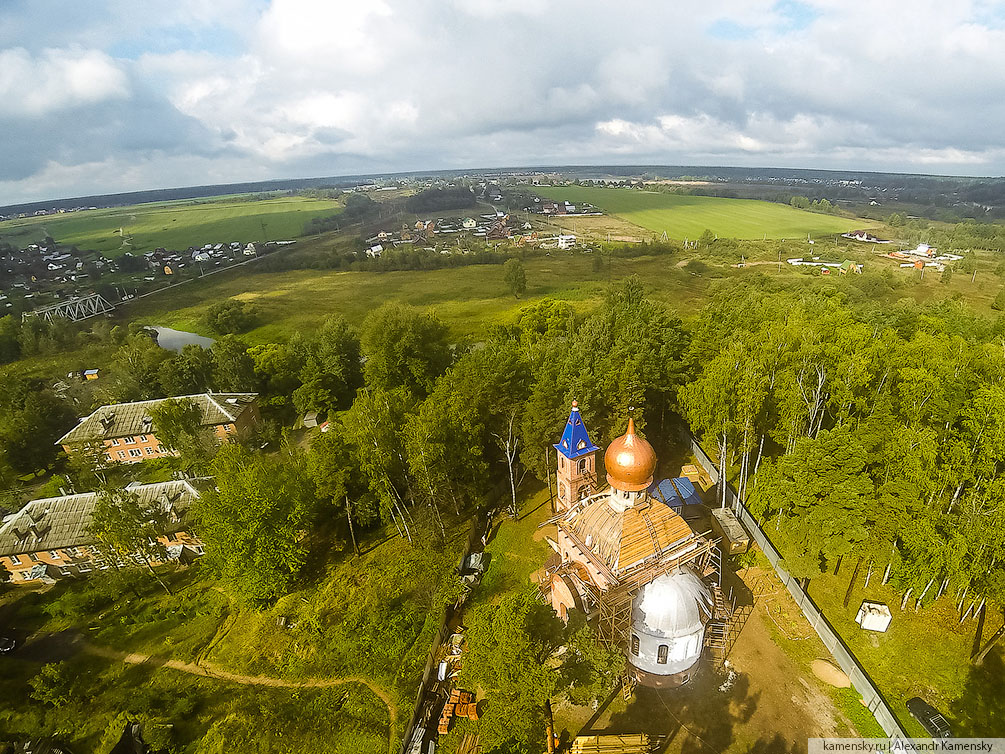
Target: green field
467, 299
172, 225
689, 216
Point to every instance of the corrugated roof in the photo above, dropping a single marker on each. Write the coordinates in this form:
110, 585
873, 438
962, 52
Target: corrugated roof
125, 419
54, 523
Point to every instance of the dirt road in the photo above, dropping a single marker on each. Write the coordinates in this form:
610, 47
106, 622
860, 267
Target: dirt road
62, 645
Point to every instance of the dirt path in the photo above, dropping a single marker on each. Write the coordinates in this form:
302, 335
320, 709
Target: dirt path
60, 646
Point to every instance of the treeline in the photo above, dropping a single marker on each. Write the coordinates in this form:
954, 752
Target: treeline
858, 432
960, 236
437, 199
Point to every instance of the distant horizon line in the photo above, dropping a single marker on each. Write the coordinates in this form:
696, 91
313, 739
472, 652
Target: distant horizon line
289, 182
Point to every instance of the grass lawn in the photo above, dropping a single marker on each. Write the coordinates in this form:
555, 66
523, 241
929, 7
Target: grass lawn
688, 216
924, 653
173, 225
470, 299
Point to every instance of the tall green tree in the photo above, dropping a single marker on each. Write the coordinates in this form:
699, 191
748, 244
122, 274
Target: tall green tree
233, 367
127, 528
511, 646
331, 371
137, 368
515, 275
404, 348
178, 424
254, 523
33, 418
191, 371
374, 425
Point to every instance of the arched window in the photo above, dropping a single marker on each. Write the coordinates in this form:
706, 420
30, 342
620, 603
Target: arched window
635, 645
581, 466
661, 654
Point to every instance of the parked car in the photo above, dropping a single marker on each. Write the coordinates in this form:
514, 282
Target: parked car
930, 718
6, 644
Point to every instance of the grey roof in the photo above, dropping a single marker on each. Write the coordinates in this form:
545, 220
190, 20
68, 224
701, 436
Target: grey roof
54, 523
125, 419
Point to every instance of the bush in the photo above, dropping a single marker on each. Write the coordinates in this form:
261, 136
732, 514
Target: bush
227, 317
696, 267
52, 685
999, 303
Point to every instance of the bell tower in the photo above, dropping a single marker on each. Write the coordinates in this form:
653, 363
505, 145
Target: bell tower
577, 463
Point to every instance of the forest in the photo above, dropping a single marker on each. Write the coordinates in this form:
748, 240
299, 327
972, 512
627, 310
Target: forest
858, 432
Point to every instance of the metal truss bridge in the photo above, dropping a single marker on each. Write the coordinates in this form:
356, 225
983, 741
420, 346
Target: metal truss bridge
75, 309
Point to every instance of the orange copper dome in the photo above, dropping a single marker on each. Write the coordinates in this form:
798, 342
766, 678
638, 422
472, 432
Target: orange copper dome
630, 461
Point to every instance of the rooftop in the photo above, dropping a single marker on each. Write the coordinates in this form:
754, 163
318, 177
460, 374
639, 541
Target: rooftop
125, 419
575, 440
54, 523
622, 539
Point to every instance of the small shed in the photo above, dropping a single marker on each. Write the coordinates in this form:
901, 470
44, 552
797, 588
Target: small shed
874, 616
728, 527
90, 374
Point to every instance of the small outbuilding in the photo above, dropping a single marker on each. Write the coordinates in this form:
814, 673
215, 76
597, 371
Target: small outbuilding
726, 526
874, 616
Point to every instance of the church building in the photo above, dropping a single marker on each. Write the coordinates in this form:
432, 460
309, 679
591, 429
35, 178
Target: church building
627, 559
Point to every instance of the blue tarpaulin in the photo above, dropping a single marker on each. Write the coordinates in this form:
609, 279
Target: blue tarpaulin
664, 492
687, 490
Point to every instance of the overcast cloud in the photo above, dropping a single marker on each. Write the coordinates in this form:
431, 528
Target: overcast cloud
115, 95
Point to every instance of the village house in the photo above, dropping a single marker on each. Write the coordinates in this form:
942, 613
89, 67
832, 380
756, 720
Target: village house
127, 433
50, 538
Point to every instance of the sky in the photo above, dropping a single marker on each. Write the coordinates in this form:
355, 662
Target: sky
119, 95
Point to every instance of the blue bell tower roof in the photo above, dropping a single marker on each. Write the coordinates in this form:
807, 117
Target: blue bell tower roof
575, 440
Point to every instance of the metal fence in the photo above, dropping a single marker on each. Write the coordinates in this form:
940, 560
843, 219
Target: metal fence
871, 696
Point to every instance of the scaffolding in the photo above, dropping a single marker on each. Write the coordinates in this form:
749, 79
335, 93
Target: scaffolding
614, 606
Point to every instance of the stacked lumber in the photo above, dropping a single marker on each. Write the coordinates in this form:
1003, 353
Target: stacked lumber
637, 743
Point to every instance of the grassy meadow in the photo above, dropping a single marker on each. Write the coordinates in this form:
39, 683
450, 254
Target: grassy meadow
471, 299
467, 299
172, 225
689, 216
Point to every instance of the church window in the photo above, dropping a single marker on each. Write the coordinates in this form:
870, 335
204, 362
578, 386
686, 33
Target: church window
635, 645
582, 444
661, 654
582, 466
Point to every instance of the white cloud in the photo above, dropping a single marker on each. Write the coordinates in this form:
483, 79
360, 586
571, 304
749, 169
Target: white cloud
292, 87
34, 86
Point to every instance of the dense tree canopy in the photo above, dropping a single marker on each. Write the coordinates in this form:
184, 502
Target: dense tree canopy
404, 348
254, 523
873, 433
